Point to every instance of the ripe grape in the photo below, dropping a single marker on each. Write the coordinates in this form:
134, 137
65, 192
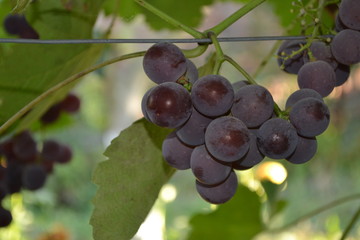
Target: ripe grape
277, 138
71, 103
52, 114
239, 84
175, 153
192, 132
342, 73
192, 73
339, 25
253, 105
34, 177
169, 105
164, 62
221, 193
321, 51
206, 169
212, 95
305, 150
17, 25
349, 13
5, 217
24, 147
310, 117
291, 65
144, 102
13, 179
345, 47
301, 94
55, 152
318, 75
227, 139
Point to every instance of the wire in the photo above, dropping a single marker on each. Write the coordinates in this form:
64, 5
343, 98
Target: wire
182, 40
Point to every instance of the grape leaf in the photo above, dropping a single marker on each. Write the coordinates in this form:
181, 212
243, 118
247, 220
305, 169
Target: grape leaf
240, 218
129, 181
28, 70
187, 11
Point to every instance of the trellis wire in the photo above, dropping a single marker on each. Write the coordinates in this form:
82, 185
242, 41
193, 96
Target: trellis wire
178, 40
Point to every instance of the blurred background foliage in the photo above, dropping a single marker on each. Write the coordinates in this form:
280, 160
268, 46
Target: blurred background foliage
111, 100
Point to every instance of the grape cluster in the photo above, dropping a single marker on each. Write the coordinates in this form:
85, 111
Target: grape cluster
221, 127
16, 24
25, 165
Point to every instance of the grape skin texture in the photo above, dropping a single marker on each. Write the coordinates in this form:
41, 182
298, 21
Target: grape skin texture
175, 153
169, 105
220, 193
144, 102
164, 62
239, 84
296, 62
212, 95
206, 169
192, 73
310, 117
253, 105
321, 51
349, 13
252, 157
277, 138
301, 94
192, 132
318, 75
345, 47
305, 150
342, 73
227, 139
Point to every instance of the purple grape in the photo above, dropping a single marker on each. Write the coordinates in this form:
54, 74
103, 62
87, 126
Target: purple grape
212, 95
305, 150
192, 132
71, 103
221, 193
17, 25
5, 217
277, 138
14, 173
52, 114
239, 84
144, 102
310, 117
301, 94
24, 147
321, 51
206, 169
192, 73
34, 177
318, 75
345, 47
339, 25
342, 73
164, 62
55, 152
349, 13
227, 139
175, 153
253, 105
293, 64
169, 105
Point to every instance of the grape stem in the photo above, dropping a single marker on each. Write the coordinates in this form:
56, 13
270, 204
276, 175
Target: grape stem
320, 210
219, 28
218, 51
351, 224
62, 84
193, 32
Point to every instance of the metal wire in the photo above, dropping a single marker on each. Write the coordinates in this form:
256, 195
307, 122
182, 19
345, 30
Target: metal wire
182, 40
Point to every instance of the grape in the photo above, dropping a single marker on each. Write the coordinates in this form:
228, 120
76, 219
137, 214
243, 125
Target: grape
310, 117
192, 132
220, 193
14, 172
339, 25
175, 153
318, 75
212, 95
253, 105
252, 157
206, 169
17, 25
239, 84
301, 94
345, 47
164, 62
169, 105
55, 152
349, 13
34, 177
305, 150
3, 190
52, 114
6, 148
342, 73
227, 139
144, 102
321, 51
192, 73
5, 217
293, 64
70, 104
24, 147
277, 138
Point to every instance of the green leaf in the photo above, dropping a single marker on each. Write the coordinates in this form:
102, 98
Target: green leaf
188, 11
129, 181
21, 6
237, 219
28, 70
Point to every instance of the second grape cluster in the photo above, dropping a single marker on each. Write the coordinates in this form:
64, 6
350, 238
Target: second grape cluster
220, 127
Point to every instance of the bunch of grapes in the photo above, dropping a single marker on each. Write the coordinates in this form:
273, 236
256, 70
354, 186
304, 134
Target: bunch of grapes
221, 127
16, 24
26, 163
